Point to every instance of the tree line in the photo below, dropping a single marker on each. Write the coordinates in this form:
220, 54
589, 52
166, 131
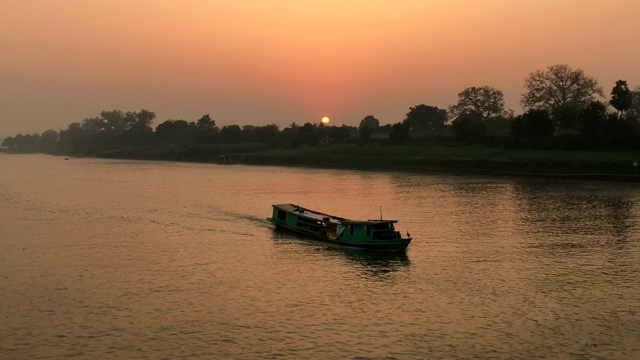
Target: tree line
564, 109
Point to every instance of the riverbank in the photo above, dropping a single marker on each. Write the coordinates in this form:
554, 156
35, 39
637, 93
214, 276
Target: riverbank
434, 159
462, 160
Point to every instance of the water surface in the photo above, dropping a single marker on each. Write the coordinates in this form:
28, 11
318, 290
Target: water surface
133, 259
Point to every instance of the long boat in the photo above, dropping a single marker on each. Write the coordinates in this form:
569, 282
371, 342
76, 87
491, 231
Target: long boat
372, 234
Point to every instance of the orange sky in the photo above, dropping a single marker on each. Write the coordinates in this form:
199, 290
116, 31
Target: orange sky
283, 61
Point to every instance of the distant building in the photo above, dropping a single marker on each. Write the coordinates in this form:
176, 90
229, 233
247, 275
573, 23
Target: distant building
225, 159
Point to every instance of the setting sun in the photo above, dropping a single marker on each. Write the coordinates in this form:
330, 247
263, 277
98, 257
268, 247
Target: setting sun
325, 120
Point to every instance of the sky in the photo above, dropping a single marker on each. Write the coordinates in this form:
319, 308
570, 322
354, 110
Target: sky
258, 62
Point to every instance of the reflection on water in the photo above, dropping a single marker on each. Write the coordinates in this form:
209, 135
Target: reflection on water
375, 263
576, 217
134, 259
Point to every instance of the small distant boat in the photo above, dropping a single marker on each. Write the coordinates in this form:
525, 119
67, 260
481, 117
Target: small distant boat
371, 234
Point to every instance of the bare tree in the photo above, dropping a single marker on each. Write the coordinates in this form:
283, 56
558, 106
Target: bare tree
559, 86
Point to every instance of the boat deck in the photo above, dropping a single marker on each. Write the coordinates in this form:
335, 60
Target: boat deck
316, 215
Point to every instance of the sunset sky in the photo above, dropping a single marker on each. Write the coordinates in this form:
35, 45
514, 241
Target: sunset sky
282, 61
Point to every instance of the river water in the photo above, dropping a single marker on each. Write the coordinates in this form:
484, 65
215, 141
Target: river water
159, 260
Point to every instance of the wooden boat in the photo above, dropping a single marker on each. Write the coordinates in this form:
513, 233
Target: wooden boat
373, 234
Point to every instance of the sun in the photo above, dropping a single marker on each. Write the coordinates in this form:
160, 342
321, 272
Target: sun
325, 120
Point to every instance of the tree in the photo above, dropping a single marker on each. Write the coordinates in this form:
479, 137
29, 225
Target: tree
634, 109
174, 131
9, 142
267, 134
486, 101
592, 118
621, 97
139, 120
338, 134
533, 124
365, 132
93, 125
231, 134
49, 141
565, 117
367, 125
399, 133
114, 120
469, 127
559, 86
369, 121
308, 134
206, 122
426, 120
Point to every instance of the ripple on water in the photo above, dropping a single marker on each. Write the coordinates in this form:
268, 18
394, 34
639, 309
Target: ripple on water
159, 260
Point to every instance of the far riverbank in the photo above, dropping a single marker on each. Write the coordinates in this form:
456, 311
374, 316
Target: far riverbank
471, 160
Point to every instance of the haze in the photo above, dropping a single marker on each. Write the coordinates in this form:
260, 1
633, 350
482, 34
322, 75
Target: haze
259, 62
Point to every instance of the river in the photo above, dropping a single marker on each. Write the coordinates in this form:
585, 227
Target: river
160, 260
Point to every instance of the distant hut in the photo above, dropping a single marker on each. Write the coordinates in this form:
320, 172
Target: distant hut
225, 159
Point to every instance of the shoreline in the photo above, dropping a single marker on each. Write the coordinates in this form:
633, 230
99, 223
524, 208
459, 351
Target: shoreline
466, 168
619, 171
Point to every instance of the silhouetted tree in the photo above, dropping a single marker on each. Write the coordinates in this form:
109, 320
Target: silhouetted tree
206, 122
140, 121
269, 134
621, 97
559, 86
485, 101
22, 143
230, 134
369, 121
308, 134
400, 133
469, 127
339, 134
565, 117
114, 120
175, 131
72, 139
93, 125
499, 125
366, 127
365, 132
139, 131
592, 119
49, 141
533, 124
425, 120
633, 113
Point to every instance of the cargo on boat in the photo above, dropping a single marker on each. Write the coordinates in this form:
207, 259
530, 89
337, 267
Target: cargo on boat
372, 234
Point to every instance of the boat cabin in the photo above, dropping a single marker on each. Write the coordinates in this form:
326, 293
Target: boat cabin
333, 226
374, 229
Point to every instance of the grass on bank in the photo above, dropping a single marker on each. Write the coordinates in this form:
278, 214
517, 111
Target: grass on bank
469, 159
470, 152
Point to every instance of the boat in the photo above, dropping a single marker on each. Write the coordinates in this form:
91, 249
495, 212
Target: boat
371, 234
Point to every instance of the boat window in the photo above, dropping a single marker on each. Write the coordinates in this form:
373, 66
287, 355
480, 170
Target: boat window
368, 230
282, 215
383, 226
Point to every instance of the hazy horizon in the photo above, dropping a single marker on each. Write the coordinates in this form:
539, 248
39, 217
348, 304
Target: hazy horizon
260, 62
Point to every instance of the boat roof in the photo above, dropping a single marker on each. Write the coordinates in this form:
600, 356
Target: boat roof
322, 216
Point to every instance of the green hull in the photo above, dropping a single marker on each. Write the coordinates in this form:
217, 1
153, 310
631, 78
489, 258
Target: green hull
370, 234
